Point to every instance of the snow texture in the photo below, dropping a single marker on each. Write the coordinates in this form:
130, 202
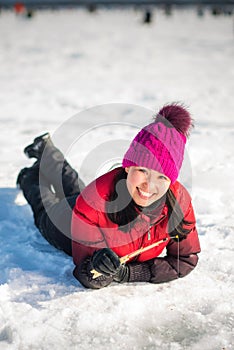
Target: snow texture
60, 63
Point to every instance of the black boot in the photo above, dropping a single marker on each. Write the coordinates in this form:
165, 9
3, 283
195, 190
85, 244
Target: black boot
37, 192
28, 177
36, 149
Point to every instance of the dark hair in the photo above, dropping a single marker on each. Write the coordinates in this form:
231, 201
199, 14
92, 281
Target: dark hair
176, 221
122, 210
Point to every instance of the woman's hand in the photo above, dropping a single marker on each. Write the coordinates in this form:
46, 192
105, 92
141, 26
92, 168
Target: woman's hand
84, 275
106, 262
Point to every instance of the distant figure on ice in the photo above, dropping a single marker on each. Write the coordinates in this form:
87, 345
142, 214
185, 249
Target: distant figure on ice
147, 17
217, 11
19, 8
121, 222
168, 9
200, 11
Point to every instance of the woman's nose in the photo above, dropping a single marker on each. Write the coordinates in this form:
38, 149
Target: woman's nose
151, 184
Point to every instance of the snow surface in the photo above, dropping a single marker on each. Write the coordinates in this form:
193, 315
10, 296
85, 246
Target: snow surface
60, 63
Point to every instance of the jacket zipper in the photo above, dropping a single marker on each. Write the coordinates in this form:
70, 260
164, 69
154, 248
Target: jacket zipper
149, 233
150, 226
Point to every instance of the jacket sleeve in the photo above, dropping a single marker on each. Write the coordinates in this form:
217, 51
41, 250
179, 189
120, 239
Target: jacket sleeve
86, 234
180, 260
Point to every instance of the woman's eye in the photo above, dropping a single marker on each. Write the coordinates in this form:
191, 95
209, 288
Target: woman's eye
143, 171
163, 177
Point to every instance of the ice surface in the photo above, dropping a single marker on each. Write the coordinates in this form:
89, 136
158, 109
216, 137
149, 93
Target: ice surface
60, 63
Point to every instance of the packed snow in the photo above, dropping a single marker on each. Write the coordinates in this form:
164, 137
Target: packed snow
92, 79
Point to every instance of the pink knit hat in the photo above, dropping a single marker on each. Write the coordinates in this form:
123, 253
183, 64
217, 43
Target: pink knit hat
160, 145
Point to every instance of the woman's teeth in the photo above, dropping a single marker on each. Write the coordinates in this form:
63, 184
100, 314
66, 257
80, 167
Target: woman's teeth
145, 194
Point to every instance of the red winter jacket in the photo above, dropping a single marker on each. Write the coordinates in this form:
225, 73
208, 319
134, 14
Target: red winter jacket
93, 230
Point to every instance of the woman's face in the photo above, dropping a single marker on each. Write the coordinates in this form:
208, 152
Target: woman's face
145, 185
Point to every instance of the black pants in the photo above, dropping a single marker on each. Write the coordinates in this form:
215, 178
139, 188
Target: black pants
52, 192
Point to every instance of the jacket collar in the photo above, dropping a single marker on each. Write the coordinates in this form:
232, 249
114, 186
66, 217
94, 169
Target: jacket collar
153, 213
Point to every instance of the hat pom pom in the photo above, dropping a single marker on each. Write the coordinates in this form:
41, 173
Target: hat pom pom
178, 116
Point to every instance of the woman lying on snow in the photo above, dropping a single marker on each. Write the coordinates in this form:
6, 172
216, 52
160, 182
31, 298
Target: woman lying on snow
130, 207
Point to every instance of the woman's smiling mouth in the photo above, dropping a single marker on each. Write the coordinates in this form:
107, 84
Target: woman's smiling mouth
143, 194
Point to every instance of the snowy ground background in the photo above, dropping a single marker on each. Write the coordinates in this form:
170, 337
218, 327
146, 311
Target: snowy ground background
60, 63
